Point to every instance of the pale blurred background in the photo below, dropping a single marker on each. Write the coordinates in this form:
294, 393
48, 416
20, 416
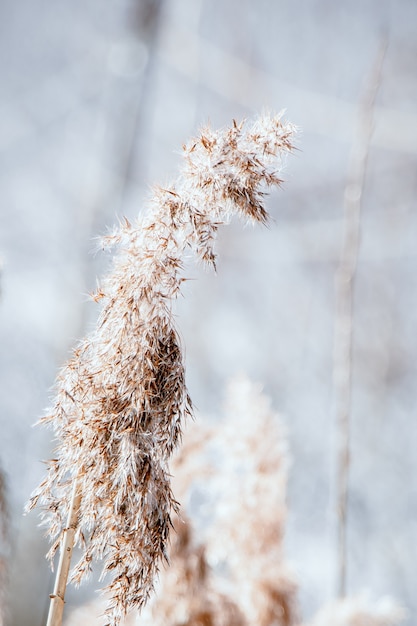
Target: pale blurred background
96, 99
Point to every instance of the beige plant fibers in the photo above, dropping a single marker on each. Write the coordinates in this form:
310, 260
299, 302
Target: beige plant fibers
240, 471
121, 399
256, 465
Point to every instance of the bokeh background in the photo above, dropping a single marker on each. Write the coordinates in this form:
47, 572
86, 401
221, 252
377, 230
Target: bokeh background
96, 99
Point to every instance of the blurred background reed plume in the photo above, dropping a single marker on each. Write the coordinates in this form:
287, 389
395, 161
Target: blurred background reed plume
95, 99
237, 472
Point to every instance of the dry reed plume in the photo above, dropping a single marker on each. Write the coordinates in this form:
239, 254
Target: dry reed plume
251, 518
121, 399
242, 467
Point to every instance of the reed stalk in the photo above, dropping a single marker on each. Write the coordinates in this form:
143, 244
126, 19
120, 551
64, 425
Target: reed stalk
345, 286
56, 607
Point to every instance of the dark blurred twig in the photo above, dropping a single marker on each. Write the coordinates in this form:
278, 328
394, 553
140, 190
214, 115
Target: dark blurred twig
345, 278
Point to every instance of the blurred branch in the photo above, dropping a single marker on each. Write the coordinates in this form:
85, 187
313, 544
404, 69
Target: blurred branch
345, 279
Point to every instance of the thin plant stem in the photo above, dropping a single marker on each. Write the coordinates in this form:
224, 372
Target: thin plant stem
345, 282
56, 607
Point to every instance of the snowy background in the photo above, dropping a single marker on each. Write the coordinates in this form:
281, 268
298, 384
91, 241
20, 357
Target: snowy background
96, 99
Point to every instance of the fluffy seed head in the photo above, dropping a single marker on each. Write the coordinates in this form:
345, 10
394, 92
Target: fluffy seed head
121, 399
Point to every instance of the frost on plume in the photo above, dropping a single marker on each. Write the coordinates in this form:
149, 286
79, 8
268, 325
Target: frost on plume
121, 399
